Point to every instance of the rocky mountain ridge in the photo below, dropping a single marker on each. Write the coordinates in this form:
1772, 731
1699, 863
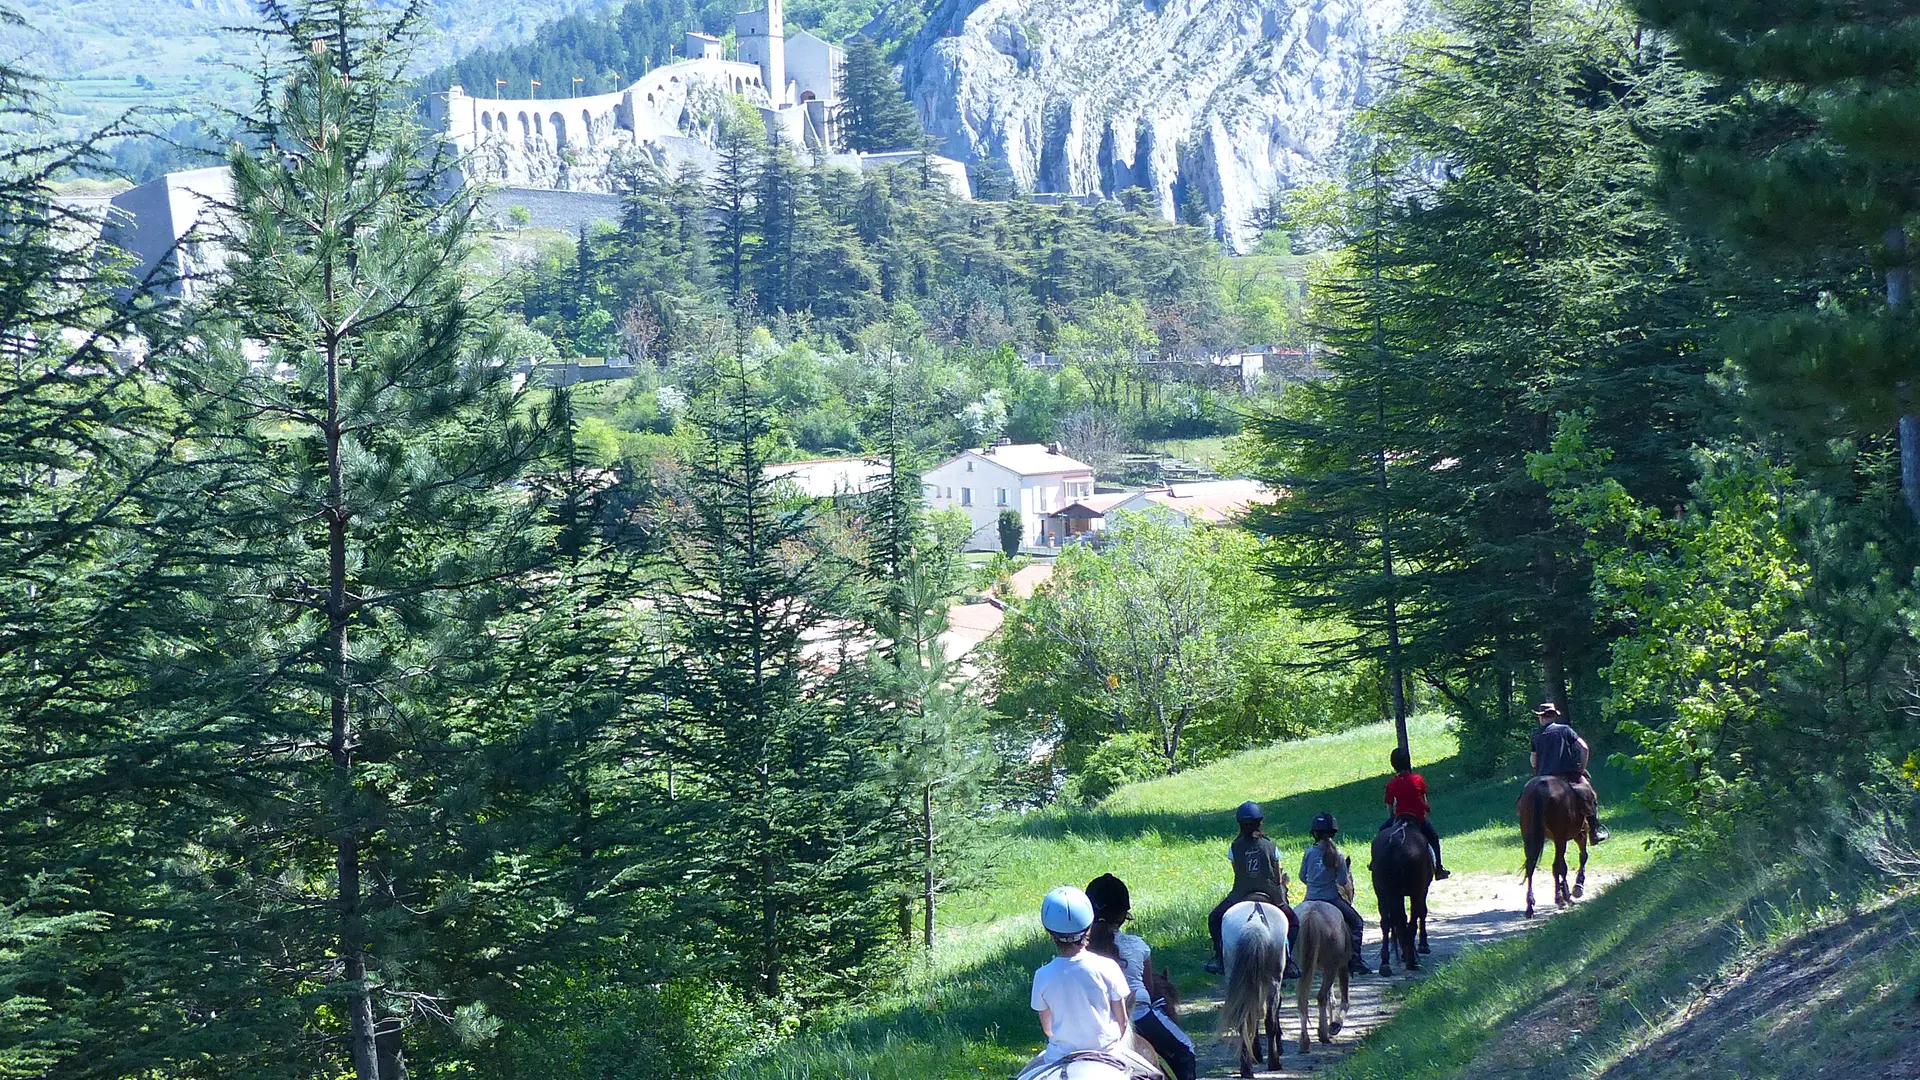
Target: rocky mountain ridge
1206, 104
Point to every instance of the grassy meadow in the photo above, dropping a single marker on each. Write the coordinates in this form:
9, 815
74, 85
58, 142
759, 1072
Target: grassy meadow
965, 1013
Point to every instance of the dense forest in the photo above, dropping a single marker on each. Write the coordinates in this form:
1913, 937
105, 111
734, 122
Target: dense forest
609, 49
366, 709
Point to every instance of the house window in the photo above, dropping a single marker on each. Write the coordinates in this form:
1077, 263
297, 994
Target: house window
1001, 498
969, 466
966, 496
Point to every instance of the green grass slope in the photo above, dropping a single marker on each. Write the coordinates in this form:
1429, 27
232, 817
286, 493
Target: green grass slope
1725, 968
966, 1013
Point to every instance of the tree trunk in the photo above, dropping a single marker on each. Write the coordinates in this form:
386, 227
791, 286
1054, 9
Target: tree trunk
1394, 673
391, 1045
1899, 285
926, 855
1554, 674
340, 744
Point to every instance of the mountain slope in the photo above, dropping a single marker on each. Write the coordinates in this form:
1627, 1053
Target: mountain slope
1208, 104
103, 54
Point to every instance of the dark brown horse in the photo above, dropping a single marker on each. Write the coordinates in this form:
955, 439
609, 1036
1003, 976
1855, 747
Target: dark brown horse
1402, 872
1555, 808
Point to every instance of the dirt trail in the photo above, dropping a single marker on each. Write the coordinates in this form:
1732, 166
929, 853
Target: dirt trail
1464, 909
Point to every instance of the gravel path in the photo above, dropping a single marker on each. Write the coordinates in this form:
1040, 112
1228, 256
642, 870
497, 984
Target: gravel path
1464, 909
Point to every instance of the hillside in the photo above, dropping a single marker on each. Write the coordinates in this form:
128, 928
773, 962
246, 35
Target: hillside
967, 1015
1744, 965
1739, 965
106, 56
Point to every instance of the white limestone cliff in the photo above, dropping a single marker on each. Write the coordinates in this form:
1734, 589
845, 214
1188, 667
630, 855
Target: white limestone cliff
1225, 101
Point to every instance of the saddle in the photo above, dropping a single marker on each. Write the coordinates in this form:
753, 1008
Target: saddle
1394, 829
1132, 1067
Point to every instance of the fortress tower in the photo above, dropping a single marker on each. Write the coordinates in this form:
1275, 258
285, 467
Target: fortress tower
763, 40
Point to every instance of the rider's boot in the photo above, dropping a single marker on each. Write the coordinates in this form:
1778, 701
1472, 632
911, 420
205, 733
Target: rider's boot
1440, 872
1357, 963
1596, 832
1293, 969
1214, 966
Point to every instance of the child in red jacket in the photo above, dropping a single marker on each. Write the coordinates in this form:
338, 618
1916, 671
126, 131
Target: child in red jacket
1407, 797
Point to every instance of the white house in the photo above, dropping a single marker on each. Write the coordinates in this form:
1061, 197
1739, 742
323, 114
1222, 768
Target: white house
1030, 478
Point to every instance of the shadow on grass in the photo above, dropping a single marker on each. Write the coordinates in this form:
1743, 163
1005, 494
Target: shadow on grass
1460, 805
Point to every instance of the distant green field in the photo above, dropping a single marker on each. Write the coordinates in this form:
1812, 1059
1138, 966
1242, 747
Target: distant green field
967, 1014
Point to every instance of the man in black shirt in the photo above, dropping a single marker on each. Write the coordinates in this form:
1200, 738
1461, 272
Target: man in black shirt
1558, 750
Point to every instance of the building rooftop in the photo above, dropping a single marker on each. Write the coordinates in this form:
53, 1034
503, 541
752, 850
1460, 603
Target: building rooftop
1096, 505
1210, 500
1024, 582
1029, 459
825, 478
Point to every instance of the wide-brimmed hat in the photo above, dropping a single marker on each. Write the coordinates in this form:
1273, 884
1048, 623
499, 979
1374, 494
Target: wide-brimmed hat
1546, 708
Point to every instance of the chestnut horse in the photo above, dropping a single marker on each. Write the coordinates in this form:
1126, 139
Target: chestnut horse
1555, 808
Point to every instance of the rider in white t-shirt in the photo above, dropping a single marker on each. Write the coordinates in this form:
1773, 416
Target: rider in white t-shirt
1081, 996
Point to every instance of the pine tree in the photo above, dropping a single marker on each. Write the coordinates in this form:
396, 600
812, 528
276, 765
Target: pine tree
939, 760
732, 189
1536, 278
875, 114
95, 579
782, 814
396, 648
776, 195
1807, 176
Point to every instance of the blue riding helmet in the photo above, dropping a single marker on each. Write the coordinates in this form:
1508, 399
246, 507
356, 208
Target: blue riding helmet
1249, 811
1066, 912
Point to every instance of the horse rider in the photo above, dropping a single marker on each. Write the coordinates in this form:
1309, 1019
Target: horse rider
1081, 996
1152, 1020
1558, 750
1324, 871
1407, 798
1256, 876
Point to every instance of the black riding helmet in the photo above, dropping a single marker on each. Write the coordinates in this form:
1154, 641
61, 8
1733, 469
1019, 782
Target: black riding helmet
1110, 898
1324, 823
1401, 760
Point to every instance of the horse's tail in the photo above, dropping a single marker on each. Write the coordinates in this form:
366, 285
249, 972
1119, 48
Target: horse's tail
1259, 955
1533, 822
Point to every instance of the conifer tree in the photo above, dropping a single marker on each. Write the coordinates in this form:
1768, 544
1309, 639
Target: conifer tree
875, 114
775, 199
783, 813
1808, 176
939, 760
394, 647
732, 189
1535, 278
96, 574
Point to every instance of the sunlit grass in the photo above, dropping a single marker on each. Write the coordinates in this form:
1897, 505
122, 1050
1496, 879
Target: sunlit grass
965, 1013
